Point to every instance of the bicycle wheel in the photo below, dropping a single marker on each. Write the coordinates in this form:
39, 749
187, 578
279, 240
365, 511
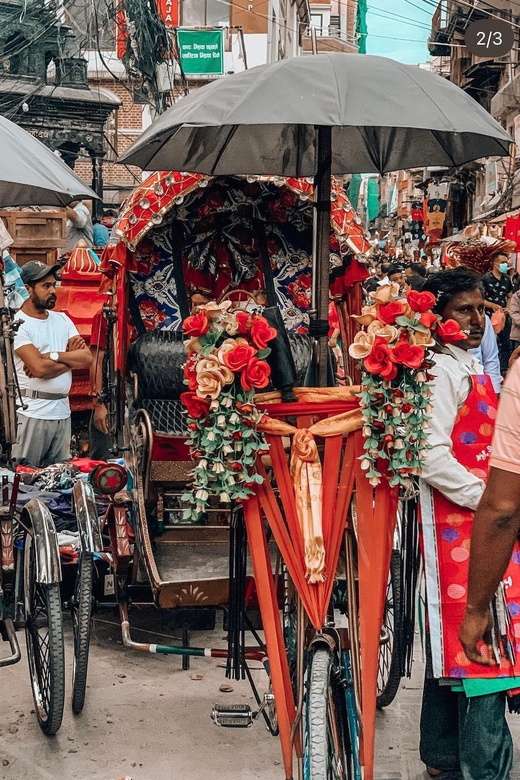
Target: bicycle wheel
327, 746
45, 651
389, 672
81, 611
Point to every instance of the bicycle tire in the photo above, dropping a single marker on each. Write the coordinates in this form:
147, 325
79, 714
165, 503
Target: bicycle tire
81, 611
45, 645
327, 747
389, 673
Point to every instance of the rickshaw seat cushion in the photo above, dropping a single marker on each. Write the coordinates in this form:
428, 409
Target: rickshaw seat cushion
169, 448
157, 357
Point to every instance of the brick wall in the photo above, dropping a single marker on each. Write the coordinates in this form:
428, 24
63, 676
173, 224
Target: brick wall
121, 130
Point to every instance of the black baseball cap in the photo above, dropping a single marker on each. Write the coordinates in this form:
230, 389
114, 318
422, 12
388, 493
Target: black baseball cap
35, 270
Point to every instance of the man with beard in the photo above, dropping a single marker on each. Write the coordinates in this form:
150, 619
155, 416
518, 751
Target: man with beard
47, 347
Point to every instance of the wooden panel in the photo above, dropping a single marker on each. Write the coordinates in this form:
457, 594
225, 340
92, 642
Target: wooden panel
21, 255
251, 15
36, 229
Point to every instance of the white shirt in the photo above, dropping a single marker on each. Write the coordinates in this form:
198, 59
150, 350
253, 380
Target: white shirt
49, 335
450, 389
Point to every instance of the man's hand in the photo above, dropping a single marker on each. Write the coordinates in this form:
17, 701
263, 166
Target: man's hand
475, 628
101, 418
76, 342
28, 372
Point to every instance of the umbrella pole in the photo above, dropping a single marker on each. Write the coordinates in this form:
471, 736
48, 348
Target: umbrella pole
322, 182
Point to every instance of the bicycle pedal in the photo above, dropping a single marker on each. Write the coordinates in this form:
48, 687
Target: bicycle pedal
233, 716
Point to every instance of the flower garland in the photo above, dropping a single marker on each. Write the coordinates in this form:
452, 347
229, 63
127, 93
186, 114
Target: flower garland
226, 364
395, 398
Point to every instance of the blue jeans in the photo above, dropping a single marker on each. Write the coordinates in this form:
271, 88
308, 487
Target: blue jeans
467, 736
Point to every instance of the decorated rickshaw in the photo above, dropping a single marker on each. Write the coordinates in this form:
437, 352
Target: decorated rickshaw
237, 250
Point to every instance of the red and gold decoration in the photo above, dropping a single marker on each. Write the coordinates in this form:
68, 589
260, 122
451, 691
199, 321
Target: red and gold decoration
392, 350
226, 365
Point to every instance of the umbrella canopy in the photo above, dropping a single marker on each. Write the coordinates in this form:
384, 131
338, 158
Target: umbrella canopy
31, 175
384, 116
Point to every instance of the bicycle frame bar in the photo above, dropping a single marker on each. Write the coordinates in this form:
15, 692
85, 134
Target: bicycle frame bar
13, 645
204, 652
87, 517
37, 519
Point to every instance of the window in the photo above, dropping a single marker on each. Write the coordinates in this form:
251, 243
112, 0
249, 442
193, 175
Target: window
317, 23
205, 13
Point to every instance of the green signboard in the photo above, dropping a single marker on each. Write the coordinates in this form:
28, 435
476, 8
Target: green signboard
201, 51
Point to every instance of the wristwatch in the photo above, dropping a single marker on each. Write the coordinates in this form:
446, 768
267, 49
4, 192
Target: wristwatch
55, 356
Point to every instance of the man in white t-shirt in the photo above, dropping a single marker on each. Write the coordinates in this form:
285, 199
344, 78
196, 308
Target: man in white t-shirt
47, 347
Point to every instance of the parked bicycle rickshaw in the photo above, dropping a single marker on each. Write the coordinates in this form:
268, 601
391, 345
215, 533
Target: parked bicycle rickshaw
187, 239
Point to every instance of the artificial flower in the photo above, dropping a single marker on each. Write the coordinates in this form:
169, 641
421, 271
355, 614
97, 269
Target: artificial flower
379, 361
389, 312
190, 374
244, 321
428, 318
420, 301
212, 365
208, 385
450, 332
256, 374
196, 325
193, 345
362, 345
262, 332
409, 355
226, 346
236, 359
214, 309
196, 407
385, 293
387, 332
230, 324
367, 316
422, 339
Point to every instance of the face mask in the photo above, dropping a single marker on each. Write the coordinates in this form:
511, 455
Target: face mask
503, 268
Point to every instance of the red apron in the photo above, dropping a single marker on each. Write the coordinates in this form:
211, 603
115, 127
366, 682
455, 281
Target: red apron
447, 534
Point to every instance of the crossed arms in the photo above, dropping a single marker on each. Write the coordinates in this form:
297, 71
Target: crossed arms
40, 366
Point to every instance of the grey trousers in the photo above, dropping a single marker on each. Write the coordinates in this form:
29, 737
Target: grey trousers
41, 442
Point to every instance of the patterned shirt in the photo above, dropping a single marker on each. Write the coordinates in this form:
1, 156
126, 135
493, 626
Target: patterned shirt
497, 290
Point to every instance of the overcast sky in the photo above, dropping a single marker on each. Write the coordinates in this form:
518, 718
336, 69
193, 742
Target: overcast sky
391, 20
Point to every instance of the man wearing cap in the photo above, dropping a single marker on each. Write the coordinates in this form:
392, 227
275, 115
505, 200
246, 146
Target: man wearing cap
47, 347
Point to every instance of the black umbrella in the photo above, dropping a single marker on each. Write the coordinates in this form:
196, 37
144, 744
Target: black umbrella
310, 116
31, 175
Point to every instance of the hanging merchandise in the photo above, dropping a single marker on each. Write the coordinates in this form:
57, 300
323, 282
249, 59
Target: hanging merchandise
353, 190
436, 211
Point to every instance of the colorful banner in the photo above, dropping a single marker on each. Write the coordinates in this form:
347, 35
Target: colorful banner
512, 230
168, 10
436, 211
201, 51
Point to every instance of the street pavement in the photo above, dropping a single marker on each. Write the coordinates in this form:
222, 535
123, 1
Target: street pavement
147, 719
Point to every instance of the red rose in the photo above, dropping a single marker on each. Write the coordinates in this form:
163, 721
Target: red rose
190, 373
256, 374
428, 318
420, 301
196, 325
450, 332
302, 300
261, 332
305, 281
408, 354
238, 357
292, 288
389, 312
244, 321
380, 360
197, 407
237, 435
